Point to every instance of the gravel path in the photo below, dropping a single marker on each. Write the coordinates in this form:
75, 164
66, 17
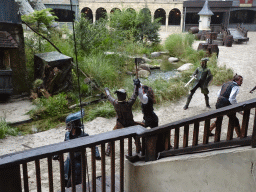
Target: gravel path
239, 57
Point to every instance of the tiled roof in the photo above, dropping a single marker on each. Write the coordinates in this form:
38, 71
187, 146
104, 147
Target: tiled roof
6, 40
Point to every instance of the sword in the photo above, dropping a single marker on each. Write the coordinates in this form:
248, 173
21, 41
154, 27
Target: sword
192, 78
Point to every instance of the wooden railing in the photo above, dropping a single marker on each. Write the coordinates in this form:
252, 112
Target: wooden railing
12, 165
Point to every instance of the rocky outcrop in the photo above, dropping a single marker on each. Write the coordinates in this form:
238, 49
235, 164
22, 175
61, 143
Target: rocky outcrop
185, 67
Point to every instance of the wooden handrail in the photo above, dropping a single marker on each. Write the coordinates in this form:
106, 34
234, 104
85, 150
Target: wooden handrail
10, 163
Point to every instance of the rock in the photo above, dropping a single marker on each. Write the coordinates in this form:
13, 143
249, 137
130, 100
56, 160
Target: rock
147, 60
185, 67
145, 66
155, 54
155, 67
173, 59
143, 73
164, 52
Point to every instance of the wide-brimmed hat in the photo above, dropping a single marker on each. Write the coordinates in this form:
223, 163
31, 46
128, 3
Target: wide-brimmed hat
122, 91
205, 59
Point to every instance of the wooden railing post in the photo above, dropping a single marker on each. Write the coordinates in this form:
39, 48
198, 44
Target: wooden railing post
254, 132
10, 180
151, 152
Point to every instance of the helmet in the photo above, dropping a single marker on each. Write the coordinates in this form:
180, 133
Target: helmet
74, 116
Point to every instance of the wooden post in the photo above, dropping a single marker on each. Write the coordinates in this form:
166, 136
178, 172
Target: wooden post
151, 152
10, 180
254, 132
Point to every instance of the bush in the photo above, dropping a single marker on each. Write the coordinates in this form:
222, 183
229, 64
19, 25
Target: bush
5, 129
176, 44
51, 107
104, 110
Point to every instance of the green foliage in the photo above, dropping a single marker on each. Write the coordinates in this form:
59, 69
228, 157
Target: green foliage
92, 37
137, 27
40, 19
53, 106
176, 44
103, 69
5, 129
105, 109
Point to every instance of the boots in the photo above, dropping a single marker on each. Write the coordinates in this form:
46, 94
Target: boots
207, 101
213, 125
188, 101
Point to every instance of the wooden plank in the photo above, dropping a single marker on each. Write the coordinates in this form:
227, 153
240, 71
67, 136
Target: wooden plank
93, 162
237, 142
49, 159
206, 131
245, 123
230, 129
25, 177
176, 138
151, 151
112, 146
218, 129
83, 165
253, 144
103, 168
62, 178
38, 176
121, 165
195, 133
185, 136
73, 176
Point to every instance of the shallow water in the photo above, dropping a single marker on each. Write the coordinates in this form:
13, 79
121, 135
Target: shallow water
165, 75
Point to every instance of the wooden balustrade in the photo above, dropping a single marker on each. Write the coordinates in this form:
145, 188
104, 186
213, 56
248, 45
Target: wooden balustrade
10, 164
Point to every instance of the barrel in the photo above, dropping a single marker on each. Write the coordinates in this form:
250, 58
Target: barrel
203, 46
213, 48
193, 30
228, 41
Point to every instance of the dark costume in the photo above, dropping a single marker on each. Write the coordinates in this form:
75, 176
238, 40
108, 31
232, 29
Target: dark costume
203, 78
74, 120
123, 110
150, 118
223, 101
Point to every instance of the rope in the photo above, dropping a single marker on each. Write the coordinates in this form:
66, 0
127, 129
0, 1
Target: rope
78, 82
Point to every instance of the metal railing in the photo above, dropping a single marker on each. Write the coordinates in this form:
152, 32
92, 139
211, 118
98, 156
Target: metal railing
15, 173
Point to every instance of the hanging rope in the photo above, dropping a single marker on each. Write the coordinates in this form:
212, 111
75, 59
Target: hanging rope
78, 82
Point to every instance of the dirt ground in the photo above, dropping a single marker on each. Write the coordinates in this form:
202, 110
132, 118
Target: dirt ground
239, 57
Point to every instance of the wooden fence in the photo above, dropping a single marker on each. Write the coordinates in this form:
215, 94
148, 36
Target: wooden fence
14, 167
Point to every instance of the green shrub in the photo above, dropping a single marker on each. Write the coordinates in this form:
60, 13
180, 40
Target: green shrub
51, 107
176, 44
5, 129
106, 110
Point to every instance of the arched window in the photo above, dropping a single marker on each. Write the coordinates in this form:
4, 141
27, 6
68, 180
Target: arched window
101, 13
160, 13
115, 9
174, 17
87, 13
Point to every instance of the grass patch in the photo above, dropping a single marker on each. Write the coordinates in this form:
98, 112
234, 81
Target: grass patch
6, 129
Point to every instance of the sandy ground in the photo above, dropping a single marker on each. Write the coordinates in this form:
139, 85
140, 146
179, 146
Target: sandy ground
239, 57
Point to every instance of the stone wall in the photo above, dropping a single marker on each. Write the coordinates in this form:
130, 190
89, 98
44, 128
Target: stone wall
224, 170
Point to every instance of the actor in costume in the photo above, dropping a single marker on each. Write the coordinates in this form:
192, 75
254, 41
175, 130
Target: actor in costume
227, 96
123, 109
203, 77
147, 99
75, 130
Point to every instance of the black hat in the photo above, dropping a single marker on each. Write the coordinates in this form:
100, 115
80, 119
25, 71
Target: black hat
122, 91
